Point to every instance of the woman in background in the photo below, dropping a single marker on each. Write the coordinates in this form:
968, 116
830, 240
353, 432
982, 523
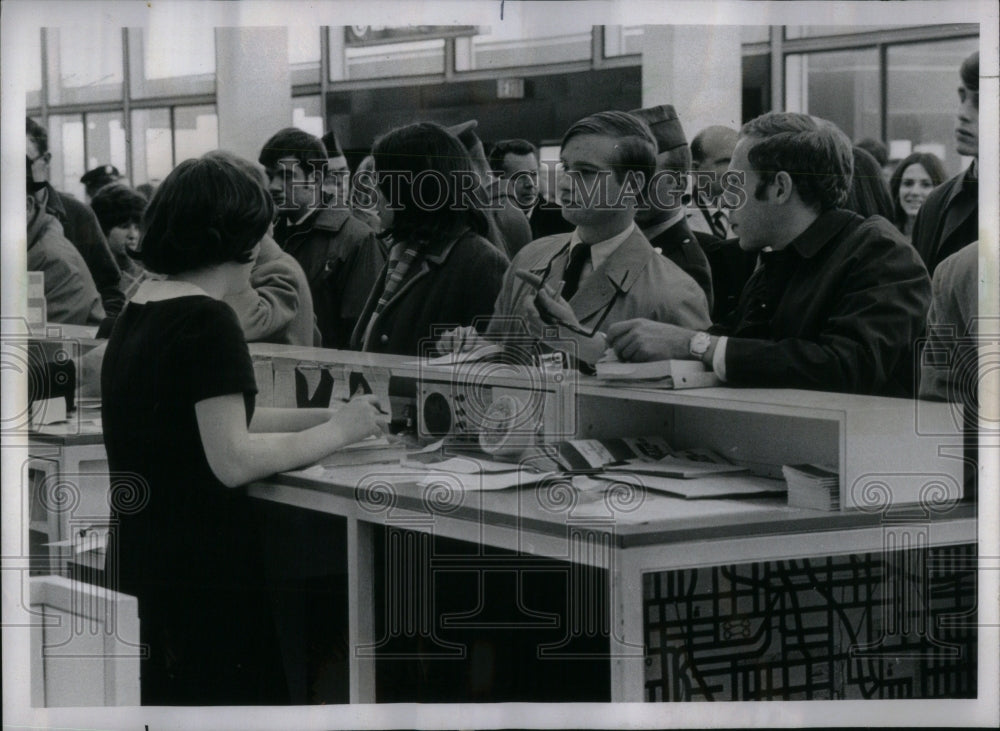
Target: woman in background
119, 210
911, 182
441, 271
869, 193
178, 414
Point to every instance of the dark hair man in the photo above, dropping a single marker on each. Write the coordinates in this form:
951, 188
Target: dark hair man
516, 162
338, 253
508, 228
605, 271
78, 222
949, 218
837, 300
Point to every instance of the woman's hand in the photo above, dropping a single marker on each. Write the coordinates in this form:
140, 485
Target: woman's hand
359, 418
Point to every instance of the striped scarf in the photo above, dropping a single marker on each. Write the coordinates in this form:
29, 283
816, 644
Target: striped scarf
401, 258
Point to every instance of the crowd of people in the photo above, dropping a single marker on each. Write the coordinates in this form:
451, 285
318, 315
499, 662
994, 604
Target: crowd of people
780, 255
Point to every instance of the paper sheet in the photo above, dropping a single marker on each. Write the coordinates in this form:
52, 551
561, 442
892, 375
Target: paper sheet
704, 488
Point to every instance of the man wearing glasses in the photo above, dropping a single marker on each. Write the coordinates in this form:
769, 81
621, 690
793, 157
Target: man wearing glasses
605, 271
78, 221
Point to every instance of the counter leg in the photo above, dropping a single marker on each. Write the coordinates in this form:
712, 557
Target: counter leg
361, 610
628, 653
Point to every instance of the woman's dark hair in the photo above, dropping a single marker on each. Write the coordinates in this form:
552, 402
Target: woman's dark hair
118, 205
207, 211
869, 193
425, 175
814, 153
935, 169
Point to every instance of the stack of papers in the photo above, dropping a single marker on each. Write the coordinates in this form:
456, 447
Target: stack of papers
660, 373
373, 450
812, 486
704, 488
677, 467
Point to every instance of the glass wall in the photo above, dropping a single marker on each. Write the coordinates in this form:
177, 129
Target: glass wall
105, 135
304, 53
32, 70
85, 64
922, 98
510, 45
841, 86
67, 147
171, 59
196, 131
307, 114
152, 145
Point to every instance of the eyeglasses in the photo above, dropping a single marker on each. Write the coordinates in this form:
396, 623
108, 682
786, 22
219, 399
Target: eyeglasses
44, 156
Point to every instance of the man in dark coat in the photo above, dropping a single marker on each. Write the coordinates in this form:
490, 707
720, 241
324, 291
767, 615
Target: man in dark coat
338, 253
79, 224
949, 218
837, 301
662, 219
509, 230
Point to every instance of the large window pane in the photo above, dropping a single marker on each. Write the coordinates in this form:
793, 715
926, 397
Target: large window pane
172, 57
152, 150
304, 53
85, 64
32, 69
307, 115
841, 86
412, 58
755, 34
106, 141
196, 131
622, 40
922, 103
812, 31
66, 146
507, 45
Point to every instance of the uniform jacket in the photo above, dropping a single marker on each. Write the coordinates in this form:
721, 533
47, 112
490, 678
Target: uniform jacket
276, 306
838, 309
70, 294
453, 282
679, 244
948, 219
634, 281
341, 260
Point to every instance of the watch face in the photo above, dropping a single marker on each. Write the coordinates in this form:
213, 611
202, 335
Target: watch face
699, 344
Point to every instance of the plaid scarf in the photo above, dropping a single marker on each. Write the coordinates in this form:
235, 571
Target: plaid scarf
401, 258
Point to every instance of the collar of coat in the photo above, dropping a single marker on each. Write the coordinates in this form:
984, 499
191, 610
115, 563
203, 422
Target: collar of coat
619, 272
826, 228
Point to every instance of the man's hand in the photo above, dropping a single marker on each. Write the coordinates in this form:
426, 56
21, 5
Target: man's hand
460, 340
641, 340
551, 307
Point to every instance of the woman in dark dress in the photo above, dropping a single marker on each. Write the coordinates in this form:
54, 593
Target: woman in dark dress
183, 437
441, 271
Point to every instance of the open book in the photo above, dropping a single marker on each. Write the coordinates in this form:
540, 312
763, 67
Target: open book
665, 373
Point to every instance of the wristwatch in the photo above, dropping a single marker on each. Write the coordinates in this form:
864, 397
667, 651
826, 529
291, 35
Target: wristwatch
699, 344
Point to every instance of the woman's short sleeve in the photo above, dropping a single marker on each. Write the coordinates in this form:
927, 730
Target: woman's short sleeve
217, 360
